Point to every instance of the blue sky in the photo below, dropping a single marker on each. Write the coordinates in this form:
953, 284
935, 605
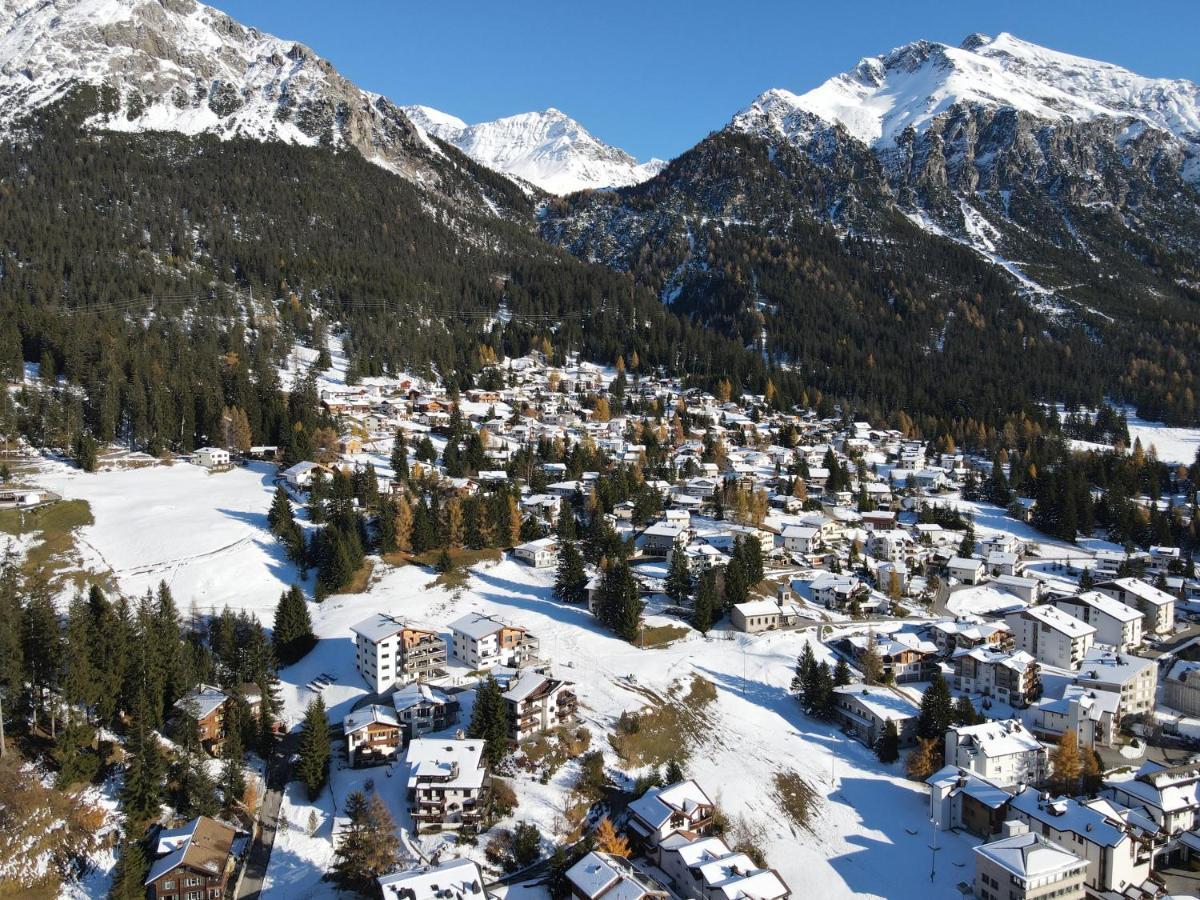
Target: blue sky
655, 76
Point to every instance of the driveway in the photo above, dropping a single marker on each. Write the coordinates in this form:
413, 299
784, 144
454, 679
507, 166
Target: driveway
279, 769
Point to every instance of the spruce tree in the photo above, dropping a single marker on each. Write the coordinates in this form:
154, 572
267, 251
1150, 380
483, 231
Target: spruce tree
964, 711
399, 458
708, 603
129, 877
315, 749
887, 748
489, 720
571, 580
841, 673
937, 710
145, 773
736, 586
293, 635
679, 578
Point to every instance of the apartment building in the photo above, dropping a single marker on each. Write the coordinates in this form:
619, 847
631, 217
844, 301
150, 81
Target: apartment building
1026, 866
1157, 607
389, 652
1051, 636
537, 702
1002, 752
1117, 625
483, 642
447, 783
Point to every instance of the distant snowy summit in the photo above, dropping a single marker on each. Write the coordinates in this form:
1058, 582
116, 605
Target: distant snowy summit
548, 149
884, 96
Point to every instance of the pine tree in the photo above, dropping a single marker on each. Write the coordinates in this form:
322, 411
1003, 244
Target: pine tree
233, 776
145, 773
806, 665
888, 746
280, 515
565, 526
823, 697
673, 773
315, 749
679, 579
293, 635
964, 711
571, 580
737, 588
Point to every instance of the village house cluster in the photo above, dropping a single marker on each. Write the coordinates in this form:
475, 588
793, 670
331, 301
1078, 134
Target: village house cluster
862, 542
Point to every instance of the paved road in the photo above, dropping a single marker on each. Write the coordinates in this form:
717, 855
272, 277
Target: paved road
278, 771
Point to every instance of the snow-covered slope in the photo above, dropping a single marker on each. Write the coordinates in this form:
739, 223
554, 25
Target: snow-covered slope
548, 149
178, 65
912, 85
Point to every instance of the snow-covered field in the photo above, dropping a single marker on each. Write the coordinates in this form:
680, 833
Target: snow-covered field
206, 536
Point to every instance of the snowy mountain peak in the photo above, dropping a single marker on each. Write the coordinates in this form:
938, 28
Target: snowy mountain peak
548, 149
178, 65
910, 86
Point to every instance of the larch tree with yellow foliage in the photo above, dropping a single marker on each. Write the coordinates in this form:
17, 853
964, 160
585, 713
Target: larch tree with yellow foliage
609, 840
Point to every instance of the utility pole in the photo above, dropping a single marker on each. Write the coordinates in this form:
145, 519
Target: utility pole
2, 747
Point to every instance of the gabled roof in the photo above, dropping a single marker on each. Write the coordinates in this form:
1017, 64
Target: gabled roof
203, 845
658, 804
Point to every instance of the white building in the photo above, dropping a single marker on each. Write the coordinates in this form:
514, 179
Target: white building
538, 702
1158, 607
211, 457
1096, 831
1025, 866
1051, 636
1002, 752
541, 554
661, 812
968, 570
483, 642
1117, 625
706, 867
446, 783
1134, 678
389, 652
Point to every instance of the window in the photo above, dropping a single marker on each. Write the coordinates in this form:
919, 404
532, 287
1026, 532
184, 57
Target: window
169, 885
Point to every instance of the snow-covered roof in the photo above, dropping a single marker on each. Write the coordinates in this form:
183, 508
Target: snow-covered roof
373, 714
657, 804
1030, 856
1060, 621
202, 700
204, 845
378, 627
477, 626
417, 693
454, 879
884, 703
998, 738
453, 763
